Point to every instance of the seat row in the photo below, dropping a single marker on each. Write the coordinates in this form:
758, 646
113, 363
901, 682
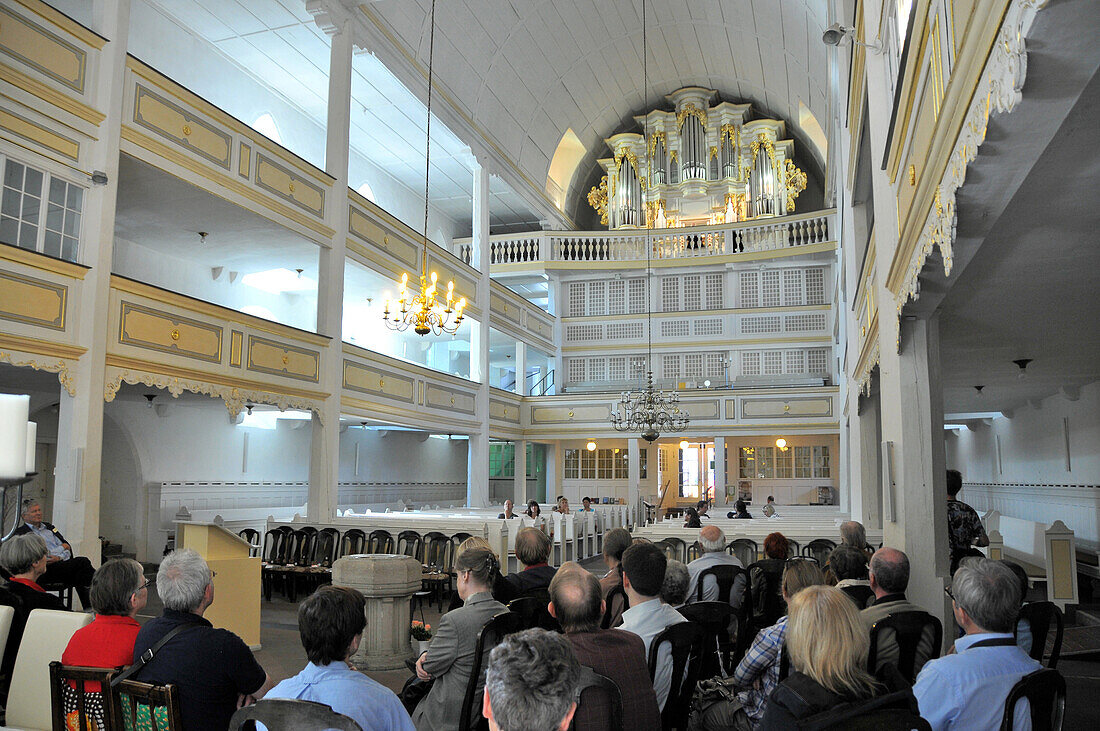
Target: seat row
746, 550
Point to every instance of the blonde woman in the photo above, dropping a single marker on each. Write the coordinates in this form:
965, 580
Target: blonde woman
828, 645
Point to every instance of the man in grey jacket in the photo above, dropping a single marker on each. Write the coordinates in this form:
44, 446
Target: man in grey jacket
889, 577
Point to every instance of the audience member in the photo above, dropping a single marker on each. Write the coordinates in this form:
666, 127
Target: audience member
677, 583
534, 512
213, 669
848, 566
852, 533
765, 576
758, 673
615, 541
691, 518
889, 578
776, 547
502, 589
967, 689
575, 601
562, 505
643, 574
586, 505
118, 592
531, 683
450, 656
742, 511
1023, 626
703, 508
62, 567
964, 527
331, 622
769, 507
828, 653
24, 558
508, 514
713, 541
532, 550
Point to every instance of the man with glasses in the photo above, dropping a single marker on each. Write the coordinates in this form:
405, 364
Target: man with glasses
968, 689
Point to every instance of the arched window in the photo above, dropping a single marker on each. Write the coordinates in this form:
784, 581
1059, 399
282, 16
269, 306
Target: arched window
366, 191
265, 125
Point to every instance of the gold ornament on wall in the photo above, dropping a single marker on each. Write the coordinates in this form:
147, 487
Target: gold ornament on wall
692, 110
597, 198
796, 183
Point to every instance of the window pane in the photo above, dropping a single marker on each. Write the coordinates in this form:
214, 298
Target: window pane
9, 230
643, 463
31, 207
13, 175
53, 244
27, 236
72, 224
76, 198
57, 191
54, 217
33, 184
11, 203
68, 249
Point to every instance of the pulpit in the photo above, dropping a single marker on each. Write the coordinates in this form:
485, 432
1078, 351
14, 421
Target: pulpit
236, 604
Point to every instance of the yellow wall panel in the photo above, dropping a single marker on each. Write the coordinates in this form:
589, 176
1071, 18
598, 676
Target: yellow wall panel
279, 359
565, 414
448, 399
174, 123
365, 379
289, 185
32, 301
144, 327
771, 408
42, 50
28, 130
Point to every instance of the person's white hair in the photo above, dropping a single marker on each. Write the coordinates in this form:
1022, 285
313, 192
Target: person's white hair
20, 553
714, 544
182, 580
989, 592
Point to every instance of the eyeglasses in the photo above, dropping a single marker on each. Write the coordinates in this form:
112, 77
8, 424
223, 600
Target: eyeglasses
146, 585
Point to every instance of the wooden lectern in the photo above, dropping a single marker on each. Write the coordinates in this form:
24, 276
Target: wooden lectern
236, 604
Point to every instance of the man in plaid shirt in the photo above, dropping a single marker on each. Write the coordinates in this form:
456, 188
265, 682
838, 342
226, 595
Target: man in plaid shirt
758, 673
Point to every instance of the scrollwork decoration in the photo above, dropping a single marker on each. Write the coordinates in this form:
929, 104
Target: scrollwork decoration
597, 198
60, 367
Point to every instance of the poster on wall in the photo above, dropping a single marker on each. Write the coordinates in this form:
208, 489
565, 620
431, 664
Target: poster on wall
744, 490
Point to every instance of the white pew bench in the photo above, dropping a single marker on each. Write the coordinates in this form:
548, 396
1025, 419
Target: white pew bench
1046, 552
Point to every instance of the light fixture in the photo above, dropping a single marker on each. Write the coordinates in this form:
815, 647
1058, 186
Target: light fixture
706, 383
781, 443
836, 34
1022, 365
248, 407
202, 237
683, 444
648, 410
979, 390
99, 177
423, 311
149, 397
591, 446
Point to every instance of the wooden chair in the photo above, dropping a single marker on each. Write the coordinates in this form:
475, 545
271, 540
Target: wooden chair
273, 558
744, 549
909, 629
145, 707
409, 543
673, 548
437, 556
694, 551
686, 641
380, 541
64, 592
794, 548
45, 637
253, 537
1040, 616
325, 545
819, 550
354, 542
593, 683
616, 594
1045, 691
299, 560
77, 705
282, 714
488, 637
714, 619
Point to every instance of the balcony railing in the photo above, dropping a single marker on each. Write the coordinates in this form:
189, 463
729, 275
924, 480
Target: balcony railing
678, 243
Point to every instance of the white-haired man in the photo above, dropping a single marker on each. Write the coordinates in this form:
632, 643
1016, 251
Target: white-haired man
213, 669
713, 541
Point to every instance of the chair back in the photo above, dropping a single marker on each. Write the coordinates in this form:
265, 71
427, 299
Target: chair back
284, 714
409, 543
325, 546
860, 594
531, 608
744, 549
615, 598
1040, 616
253, 537
714, 618
353, 543
765, 581
45, 637
909, 629
673, 548
380, 541
300, 548
1045, 691
146, 707
7, 614
593, 683
488, 637
76, 707
819, 549
694, 551
794, 548
725, 575
686, 641
437, 551
274, 548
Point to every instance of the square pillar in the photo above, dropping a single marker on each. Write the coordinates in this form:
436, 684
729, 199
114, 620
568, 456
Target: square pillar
719, 469
519, 492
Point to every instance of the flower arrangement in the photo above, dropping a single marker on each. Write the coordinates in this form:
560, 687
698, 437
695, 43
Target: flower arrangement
421, 631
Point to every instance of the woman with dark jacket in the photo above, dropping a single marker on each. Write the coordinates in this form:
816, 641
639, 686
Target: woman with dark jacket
691, 519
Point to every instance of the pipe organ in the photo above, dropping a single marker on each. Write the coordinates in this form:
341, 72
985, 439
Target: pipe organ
700, 165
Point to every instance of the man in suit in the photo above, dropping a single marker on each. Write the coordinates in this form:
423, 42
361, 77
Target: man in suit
62, 567
576, 602
889, 577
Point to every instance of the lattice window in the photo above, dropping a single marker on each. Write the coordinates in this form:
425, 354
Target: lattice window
796, 362
662, 460
597, 369
822, 463
783, 464
622, 464
708, 326
761, 324
750, 292
572, 464
575, 368
637, 367
803, 464
623, 330
792, 287
693, 299
804, 323
773, 362
750, 364
815, 286
674, 328
670, 294
636, 296
588, 465
713, 289
597, 298
584, 333
577, 291
670, 366
715, 368
604, 469
22, 205
616, 297
616, 368
747, 463
817, 360
693, 365
63, 219
769, 288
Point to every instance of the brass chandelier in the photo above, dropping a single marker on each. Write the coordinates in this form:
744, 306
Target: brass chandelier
648, 410
425, 311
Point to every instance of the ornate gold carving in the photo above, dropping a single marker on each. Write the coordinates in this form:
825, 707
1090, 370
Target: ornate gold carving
452, 400
713, 152
653, 142
912, 175
597, 198
796, 183
632, 159
187, 130
60, 367
175, 334
691, 110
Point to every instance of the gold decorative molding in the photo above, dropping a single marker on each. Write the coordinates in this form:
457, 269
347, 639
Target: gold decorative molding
50, 95
867, 362
37, 346
805, 407
368, 379
60, 367
236, 345
33, 301
795, 181
282, 359
168, 332
42, 50
439, 397
693, 111
659, 135
181, 126
597, 198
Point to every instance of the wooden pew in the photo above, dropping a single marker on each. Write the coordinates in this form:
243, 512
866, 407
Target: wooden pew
1047, 553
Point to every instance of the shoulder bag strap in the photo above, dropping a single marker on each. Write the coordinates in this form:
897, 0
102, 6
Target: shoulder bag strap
147, 656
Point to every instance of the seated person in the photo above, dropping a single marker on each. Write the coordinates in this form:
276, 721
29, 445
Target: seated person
852, 533
757, 675
849, 567
713, 541
586, 505
691, 518
968, 688
502, 590
769, 507
702, 508
742, 511
889, 578
534, 512
61, 566
532, 550
24, 558
615, 541
331, 623
677, 583
765, 576
828, 649
119, 591
562, 506
531, 683
449, 659
507, 514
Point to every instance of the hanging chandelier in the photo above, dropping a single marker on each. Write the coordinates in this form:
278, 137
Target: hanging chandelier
648, 410
425, 310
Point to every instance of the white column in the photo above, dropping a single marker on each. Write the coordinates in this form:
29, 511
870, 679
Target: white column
556, 304
555, 468
633, 471
519, 492
324, 462
521, 368
477, 481
719, 470
80, 417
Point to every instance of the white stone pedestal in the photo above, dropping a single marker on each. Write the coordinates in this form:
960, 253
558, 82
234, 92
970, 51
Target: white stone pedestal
387, 582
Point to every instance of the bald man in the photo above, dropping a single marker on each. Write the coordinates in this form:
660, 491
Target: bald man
889, 577
713, 541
